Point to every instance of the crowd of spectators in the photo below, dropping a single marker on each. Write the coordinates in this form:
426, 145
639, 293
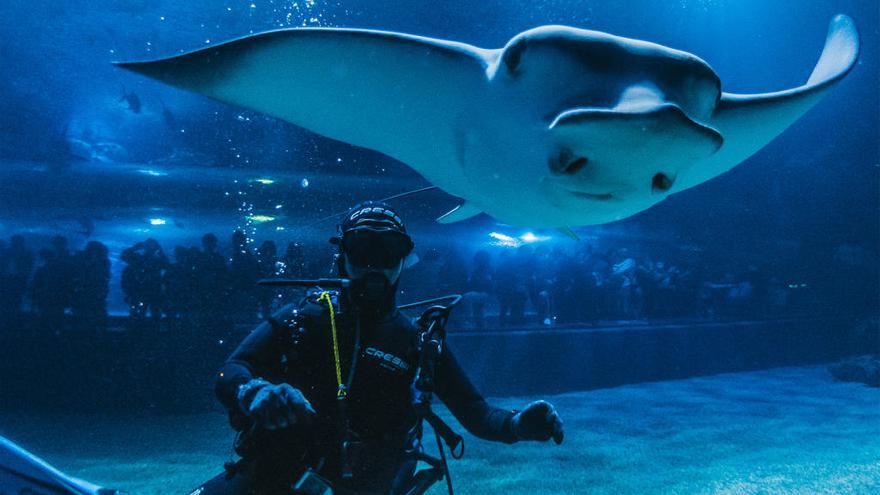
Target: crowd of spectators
65, 290
57, 282
533, 285
204, 283
542, 285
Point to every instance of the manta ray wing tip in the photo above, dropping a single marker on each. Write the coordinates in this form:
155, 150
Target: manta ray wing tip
843, 21
140, 67
132, 66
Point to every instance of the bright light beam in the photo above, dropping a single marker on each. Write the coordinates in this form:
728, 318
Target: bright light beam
260, 218
504, 240
530, 237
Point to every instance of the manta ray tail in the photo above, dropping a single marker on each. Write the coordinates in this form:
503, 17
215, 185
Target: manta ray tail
748, 122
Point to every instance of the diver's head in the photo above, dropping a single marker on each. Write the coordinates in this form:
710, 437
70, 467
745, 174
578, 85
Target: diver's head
373, 247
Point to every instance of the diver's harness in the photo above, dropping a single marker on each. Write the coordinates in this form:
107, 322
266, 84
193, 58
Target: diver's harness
430, 344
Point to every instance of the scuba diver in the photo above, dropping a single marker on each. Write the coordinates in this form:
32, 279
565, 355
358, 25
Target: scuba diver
322, 393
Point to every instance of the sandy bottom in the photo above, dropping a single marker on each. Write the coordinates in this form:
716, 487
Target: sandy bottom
789, 430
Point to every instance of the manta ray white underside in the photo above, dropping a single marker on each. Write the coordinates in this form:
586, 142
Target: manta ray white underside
561, 127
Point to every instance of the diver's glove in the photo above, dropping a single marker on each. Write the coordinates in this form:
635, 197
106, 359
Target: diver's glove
538, 421
274, 406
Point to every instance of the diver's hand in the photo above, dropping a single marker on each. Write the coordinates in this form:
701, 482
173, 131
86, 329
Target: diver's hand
538, 421
274, 406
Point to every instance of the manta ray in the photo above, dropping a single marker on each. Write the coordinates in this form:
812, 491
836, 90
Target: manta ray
562, 127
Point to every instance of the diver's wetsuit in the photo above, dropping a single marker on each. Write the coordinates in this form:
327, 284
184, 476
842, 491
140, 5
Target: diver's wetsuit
296, 347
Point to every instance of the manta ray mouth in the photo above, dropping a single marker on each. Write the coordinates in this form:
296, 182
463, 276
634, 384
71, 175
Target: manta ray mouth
595, 197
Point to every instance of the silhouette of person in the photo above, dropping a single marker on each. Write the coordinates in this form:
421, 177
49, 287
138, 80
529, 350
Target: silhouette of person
49, 308
178, 286
565, 287
20, 262
541, 288
511, 283
142, 280
479, 286
61, 271
211, 281
91, 285
244, 271
452, 276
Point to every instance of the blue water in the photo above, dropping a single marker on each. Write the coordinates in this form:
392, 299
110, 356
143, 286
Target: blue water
810, 191
793, 232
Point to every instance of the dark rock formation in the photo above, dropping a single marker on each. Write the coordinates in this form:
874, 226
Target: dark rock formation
863, 369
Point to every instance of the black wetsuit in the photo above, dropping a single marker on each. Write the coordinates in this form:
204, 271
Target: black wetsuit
296, 347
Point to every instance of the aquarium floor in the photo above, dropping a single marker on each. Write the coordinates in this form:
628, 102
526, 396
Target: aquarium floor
788, 430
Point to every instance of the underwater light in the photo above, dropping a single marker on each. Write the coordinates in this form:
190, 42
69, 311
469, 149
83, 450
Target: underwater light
265, 181
260, 218
504, 240
152, 173
157, 221
531, 237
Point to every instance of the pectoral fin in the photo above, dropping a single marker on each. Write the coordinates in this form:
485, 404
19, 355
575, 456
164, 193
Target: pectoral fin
748, 122
391, 92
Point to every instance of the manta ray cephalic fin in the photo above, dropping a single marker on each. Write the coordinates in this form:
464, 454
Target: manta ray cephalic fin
660, 134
